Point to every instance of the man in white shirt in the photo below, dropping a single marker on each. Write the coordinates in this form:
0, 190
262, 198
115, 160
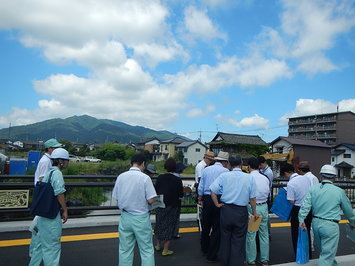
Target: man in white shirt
297, 189
207, 160
133, 191
262, 194
304, 169
43, 166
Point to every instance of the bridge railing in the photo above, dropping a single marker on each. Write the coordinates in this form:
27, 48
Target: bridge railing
92, 194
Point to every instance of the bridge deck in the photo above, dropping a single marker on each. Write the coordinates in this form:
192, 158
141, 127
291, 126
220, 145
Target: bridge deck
99, 246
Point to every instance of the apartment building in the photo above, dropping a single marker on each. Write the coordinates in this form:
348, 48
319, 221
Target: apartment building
330, 128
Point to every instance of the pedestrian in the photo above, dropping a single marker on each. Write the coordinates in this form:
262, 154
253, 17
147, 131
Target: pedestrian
207, 160
262, 194
150, 170
50, 230
304, 169
133, 191
44, 164
210, 235
180, 167
237, 190
325, 201
297, 189
170, 186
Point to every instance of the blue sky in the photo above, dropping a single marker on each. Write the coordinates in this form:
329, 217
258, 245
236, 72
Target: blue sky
191, 67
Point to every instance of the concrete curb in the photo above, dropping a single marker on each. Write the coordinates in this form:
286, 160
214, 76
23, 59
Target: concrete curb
347, 260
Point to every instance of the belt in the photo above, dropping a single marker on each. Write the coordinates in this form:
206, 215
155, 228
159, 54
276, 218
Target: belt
335, 221
261, 203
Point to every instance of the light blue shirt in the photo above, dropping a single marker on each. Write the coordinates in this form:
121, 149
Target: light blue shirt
57, 180
236, 187
268, 172
209, 174
326, 201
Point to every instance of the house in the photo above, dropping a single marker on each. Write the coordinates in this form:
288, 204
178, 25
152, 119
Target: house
343, 159
168, 148
246, 145
330, 128
193, 151
317, 153
151, 145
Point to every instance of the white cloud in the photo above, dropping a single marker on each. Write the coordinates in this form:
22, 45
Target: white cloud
248, 72
317, 106
308, 30
198, 26
198, 112
255, 121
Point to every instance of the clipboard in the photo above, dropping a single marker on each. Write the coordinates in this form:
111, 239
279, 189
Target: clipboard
253, 225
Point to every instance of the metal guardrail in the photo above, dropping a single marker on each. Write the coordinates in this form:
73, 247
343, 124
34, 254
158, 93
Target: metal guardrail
107, 182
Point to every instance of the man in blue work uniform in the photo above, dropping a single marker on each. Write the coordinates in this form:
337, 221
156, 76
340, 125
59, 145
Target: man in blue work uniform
326, 201
237, 190
210, 213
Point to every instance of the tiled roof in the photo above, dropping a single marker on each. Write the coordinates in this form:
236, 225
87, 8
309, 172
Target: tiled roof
350, 146
337, 152
188, 143
237, 139
344, 165
174, 140
302, 142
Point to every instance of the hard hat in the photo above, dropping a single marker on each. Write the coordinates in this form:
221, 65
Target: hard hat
328, 170
60, 153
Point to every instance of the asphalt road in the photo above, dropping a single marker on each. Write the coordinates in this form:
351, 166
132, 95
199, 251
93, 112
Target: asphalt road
102, 252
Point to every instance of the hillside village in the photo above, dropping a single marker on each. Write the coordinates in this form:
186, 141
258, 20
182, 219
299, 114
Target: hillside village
319, 139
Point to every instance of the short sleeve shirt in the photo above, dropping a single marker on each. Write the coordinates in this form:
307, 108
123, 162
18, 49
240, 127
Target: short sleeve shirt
198, 170
43, 167
57, 180
297, 189
262, 186
236, 187
132, 190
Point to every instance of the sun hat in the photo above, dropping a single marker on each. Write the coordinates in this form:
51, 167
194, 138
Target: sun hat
151, 168
222, 156
209, 155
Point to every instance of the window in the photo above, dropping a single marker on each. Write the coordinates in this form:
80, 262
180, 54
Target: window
347, 155
333, 159
198, 149
166, 147
185, 149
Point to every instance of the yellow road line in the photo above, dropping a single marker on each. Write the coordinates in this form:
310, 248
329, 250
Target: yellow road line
26, 241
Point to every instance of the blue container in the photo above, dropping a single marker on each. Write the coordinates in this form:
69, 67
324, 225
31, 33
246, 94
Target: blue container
33, 159
18, 166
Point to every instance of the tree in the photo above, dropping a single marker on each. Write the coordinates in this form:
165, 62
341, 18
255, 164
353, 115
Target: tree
68, 146
112, 152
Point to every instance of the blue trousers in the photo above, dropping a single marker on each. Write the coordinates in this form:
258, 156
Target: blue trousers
49, 234
326, 234
263, 231
132, 229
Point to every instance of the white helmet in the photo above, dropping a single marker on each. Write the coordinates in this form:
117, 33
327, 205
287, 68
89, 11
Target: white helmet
328, 169
60, 153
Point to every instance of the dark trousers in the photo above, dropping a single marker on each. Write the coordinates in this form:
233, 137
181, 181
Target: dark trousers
234, 226
210, 235
294, 228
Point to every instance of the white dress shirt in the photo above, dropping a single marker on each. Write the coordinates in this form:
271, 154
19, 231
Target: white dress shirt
198, 170
262, 186
297, 189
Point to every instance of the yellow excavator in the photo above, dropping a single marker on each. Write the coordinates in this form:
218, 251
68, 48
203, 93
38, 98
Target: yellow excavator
280, 156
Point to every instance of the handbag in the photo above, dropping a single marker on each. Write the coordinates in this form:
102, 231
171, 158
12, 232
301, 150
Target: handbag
44, 201
302, 254
281, 207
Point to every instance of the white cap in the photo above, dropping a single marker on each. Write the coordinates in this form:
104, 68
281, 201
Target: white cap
60, 153
328, 170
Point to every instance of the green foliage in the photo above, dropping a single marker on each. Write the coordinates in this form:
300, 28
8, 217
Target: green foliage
113, 151
92, 196
68, 146
245, 149
179, 156
84, 150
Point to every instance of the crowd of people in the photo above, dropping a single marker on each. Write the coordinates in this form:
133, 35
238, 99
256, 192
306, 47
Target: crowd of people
230, 194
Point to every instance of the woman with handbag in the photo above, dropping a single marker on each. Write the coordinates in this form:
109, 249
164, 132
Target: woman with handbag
49, 225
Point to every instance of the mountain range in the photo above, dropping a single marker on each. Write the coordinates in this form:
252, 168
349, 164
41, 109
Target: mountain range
83, 129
